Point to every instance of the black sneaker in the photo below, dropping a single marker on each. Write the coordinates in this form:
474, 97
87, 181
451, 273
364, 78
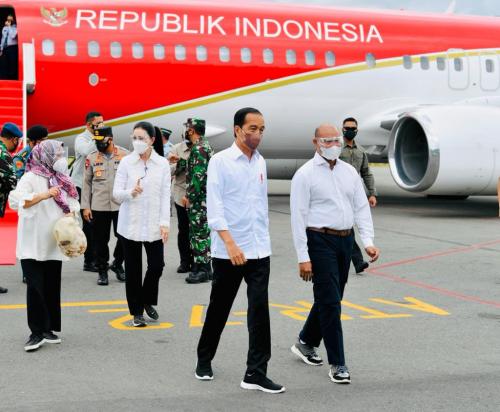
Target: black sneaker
361, 268
50, 337
139, 321
339, 374
256, 381
184, 268
34, 342
90, 267
102, 279
118, 269
204, 372
152, 313
307, 353
3, 290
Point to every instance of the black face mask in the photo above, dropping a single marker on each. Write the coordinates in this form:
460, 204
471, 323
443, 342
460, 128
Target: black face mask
350, 134
102, 146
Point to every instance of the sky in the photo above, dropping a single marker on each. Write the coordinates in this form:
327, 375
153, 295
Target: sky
476, 7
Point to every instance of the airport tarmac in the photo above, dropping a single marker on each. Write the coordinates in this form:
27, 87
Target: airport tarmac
421, 327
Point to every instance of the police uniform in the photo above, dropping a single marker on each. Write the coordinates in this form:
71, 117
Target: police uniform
20, 160
97, 195
356, 156
196, 192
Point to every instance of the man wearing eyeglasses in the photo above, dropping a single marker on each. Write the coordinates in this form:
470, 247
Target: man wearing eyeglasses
356, 156
327, 199
84, 145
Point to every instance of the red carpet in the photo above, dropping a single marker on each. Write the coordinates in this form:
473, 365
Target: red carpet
8, 237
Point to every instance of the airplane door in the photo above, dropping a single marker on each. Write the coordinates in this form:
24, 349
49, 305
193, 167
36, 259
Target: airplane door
490, 72
458, 69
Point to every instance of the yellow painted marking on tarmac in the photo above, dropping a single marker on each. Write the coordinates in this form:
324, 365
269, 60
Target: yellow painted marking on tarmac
73, 304
295, 312
414, 304
196, 320
244, 313
108, 310
373, 313
119, 324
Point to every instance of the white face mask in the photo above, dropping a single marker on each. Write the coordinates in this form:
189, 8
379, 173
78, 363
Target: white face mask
61, 165
331, 153
140, 147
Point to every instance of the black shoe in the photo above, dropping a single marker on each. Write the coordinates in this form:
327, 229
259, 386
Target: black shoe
184, 268
307, 353
3, 290
197, 277
50, 337
361, 268
34, 342
152, 313
102, 279
204, 372
339, 374
256, 381
139, 321
90, 267
118, 269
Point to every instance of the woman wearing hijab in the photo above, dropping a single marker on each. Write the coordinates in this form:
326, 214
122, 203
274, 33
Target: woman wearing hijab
142, 186
44, 194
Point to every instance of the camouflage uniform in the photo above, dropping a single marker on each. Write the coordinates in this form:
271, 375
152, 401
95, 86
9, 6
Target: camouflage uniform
196, 178
20, 160
8, 179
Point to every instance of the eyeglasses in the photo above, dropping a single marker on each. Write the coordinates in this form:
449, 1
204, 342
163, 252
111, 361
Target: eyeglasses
328, 140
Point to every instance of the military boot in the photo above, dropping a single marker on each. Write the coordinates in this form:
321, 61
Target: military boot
198, 275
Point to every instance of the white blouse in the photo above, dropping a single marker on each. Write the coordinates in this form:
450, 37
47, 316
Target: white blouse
35, 239
140, 217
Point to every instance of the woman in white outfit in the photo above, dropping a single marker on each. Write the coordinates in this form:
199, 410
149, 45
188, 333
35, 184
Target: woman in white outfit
142, 186
44, 194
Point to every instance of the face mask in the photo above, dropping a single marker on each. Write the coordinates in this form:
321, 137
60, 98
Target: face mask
140, 147
61, 165
15, 146
102, 146
331, 153
350, 134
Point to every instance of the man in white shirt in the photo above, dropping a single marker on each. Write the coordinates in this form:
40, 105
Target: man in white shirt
327, 198
85, 145
237, 213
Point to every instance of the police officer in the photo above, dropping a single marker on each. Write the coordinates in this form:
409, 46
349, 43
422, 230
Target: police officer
178, 158
98, 203
9, 140
356, 156
323, 240
195, 200
35, 134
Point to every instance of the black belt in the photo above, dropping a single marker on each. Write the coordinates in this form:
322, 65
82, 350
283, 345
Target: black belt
328, 231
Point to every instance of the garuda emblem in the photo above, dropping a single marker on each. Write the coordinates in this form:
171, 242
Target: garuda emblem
55, 18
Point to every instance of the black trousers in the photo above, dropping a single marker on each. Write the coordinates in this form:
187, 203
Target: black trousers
330, 257
139, 293
102, 228
43, 295
10, 69
88, 230
357, 255
183, 244
227, 280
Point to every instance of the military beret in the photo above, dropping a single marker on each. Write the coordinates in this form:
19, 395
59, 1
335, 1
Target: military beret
13, 129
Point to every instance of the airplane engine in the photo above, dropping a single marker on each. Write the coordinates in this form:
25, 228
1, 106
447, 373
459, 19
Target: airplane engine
447, 150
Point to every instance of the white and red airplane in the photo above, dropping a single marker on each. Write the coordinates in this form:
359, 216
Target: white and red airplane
425, 88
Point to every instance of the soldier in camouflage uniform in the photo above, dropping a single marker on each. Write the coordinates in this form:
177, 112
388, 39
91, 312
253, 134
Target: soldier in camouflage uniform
9, 140
35, 135
196, 194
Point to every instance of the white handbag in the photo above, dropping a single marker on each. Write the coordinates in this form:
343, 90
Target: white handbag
70, 237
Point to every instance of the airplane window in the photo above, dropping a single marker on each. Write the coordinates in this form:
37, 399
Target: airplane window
180, 52
490, 65
268, 56
137, 50
291, 57
224, 54
370, 60
48, 48
115, 49
407, 63
71, 48
441, 63
330, 58
424, 63
94, 49
159, 51
246, 55
458, 64
201, 53
310, 58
